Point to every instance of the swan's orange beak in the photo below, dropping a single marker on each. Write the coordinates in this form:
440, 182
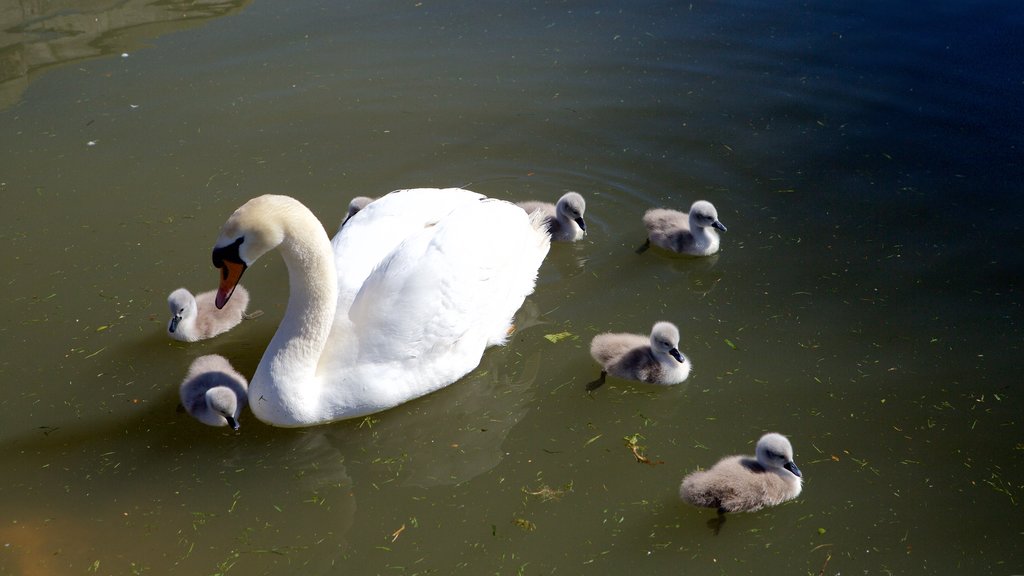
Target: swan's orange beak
230, 274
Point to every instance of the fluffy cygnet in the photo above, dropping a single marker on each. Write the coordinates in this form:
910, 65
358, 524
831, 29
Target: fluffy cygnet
213, 392
357, 204
197, 318
690, 233
745, 484
563, 219
655, 359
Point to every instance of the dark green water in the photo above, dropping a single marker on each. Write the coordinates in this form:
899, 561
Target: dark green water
866, 302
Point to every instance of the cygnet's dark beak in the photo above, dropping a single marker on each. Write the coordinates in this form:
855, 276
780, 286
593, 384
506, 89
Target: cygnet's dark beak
579, 222
675, 353
791, 466
235, 426
174, 323
718, 225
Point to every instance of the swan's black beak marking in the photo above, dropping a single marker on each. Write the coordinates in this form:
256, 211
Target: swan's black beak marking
231, 267
718, 225
174, 323
675, 353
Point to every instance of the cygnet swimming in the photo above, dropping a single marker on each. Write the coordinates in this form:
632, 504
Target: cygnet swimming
196, 318
654, 359
213, 392
746, 484
357, 204
564, 219
690, 233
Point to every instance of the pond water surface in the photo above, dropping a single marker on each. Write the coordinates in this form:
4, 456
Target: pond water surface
865, 156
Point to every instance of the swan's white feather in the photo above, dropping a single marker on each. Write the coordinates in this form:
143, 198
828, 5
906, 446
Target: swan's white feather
403, 301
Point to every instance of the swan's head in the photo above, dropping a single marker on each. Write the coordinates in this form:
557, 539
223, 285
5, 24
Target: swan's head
703, 214
572, 206
774, 451
182, 305
665, 340
250, 232
223, 400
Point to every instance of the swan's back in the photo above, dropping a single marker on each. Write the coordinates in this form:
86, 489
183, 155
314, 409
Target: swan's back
609, 347
384, 224
427, 311
664, 222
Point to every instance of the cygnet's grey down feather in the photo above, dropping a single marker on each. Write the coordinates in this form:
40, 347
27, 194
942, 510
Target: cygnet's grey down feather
213, 392
745, 484
690, 233
357, 204
564, 220
654, 359
196, 318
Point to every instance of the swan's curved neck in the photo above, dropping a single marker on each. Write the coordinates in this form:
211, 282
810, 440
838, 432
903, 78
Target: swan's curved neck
285, 387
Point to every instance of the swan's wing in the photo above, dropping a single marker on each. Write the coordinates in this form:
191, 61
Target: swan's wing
448, 291
375, 231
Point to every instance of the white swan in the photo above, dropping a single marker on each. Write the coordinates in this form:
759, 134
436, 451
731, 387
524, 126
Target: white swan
563, 219
655, 359
195, 318
686, 233
745, 484
213, 392
402, 302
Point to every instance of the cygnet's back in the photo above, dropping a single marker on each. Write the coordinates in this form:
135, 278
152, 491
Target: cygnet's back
564, 220
198, 318
686, 233
745, 484
213, 392
654, 359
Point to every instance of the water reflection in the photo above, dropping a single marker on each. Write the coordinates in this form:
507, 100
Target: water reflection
36, 35
197, 498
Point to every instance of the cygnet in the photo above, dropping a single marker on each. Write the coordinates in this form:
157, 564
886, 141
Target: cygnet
564, 219
196, 318
690, 233
213, 392
745, 484
357, 204
655, 359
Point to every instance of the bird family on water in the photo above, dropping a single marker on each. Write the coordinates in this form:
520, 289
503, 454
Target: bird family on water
404, 300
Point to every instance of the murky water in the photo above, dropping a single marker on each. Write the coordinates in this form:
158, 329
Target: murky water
866, 302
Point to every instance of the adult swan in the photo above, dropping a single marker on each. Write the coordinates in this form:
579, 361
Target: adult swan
403, 301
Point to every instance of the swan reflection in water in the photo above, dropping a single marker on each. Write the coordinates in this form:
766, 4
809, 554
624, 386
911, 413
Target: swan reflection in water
190, 498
